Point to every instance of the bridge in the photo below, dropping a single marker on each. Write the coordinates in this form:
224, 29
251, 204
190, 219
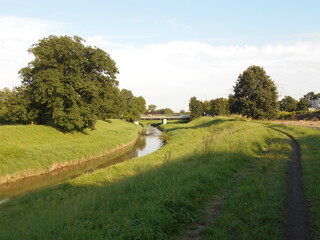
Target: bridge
164, 117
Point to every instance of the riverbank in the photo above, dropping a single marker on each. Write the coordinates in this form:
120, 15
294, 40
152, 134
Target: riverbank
34, 150
156, 196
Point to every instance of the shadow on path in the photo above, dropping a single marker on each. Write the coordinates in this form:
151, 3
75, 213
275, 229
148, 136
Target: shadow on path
296, 210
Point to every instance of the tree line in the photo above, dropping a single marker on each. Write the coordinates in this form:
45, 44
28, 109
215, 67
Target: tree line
254, 95
69, 86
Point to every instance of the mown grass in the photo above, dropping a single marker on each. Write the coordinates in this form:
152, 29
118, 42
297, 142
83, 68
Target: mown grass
156, 196
309, 140
27, 150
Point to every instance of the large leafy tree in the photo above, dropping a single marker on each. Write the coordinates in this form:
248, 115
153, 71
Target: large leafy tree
69, 83
195, 108
255, 94
288, 104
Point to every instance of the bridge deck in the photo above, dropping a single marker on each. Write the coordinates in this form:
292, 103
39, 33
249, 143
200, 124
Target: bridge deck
160, 117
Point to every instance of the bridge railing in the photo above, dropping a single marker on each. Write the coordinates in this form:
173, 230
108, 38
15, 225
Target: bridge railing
163, 116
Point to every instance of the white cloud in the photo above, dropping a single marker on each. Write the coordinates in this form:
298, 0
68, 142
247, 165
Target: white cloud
17, 36
167, 75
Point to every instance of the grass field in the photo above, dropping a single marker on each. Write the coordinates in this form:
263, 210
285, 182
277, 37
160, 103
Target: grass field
32, 149
158, 195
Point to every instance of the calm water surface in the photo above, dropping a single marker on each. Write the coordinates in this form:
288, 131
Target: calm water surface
148, 142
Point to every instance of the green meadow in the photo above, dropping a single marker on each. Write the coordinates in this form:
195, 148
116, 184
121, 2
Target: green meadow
33, 149
158, 196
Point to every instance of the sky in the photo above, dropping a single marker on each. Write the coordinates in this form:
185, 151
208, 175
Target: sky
171, 50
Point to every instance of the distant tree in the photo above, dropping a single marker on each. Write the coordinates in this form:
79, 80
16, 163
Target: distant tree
195, 108
151, 108
288, 104
166, 111
220, 106
182, 111
69, 83
312, 96
17, 107
303, 104
207, 108
233, 107
255, 94
131, 106
4, 95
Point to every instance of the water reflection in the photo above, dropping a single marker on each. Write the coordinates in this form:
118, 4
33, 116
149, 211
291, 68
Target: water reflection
147, 142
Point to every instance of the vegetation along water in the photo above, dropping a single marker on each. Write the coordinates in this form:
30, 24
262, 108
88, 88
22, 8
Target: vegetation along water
33, 149
241, 164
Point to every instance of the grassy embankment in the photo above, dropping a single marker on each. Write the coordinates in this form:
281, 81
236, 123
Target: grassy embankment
155, 196
30, 150
309, 140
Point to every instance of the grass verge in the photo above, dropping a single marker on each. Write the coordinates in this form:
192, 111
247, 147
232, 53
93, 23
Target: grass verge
33, 149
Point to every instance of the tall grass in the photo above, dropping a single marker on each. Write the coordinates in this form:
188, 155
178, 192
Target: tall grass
155, 196
27, 150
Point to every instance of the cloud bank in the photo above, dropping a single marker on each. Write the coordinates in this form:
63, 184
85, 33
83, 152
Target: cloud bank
17, 36
168, 74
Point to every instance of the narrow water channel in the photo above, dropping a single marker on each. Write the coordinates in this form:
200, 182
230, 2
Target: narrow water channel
147, 142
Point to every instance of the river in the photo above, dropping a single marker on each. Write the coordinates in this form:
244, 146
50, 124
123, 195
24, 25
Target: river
147, 142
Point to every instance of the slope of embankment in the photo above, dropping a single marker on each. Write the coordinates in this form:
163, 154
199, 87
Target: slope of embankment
35, 149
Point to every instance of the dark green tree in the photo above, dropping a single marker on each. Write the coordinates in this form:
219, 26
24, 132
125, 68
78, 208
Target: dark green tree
69, 83
131, 106
17, 107
207, 107
303, 104
255, 94
166, 111
151, 108
220, 106
195, 108
288, 104
312, 96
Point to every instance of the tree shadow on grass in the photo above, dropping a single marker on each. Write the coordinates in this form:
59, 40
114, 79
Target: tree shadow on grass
204, 125
153, 204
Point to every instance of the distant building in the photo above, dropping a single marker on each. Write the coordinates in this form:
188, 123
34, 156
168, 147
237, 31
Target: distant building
314, 104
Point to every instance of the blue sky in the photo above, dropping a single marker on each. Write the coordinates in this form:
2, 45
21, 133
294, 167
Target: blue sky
168, 51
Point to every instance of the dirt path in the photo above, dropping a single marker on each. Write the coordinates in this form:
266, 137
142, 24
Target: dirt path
213, 209
296, 210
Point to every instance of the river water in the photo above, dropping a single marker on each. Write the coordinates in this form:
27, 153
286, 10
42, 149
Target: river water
147, 142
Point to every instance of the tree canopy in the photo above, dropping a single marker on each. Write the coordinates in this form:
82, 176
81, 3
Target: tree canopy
255, 94
68, 82
220, 106
68, 85
195, 108
288, 104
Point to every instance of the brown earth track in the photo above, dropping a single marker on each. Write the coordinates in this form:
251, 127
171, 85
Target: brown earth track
213, 209
296, 210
